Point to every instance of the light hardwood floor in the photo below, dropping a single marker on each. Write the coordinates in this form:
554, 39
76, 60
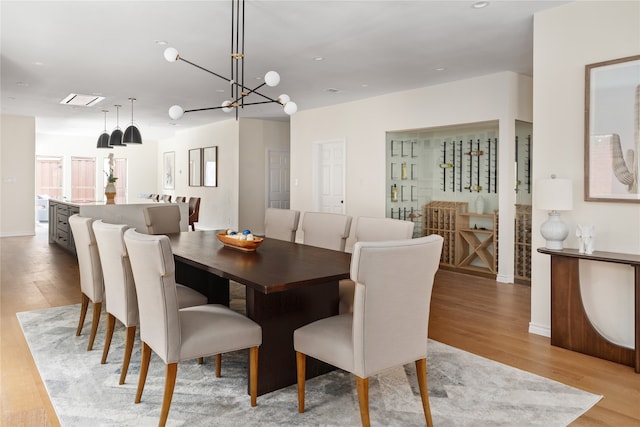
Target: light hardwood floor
475, 314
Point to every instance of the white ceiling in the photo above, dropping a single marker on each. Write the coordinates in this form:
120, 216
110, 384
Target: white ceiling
52, 48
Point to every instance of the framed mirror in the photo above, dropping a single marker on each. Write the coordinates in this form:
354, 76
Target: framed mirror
210, 166
195, 167
612, 126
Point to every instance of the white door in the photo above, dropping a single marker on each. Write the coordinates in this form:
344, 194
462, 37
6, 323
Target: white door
329, 166
278, 190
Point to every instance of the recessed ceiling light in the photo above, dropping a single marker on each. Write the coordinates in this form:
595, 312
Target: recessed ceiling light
161, 42
480, 4
22, 84
318, 58
440, 69
332, 90
75, 99
364, 85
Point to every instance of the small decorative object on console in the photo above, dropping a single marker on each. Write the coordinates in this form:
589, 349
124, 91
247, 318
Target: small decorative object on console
585, 234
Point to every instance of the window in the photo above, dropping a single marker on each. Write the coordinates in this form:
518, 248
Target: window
49, 176
83, 178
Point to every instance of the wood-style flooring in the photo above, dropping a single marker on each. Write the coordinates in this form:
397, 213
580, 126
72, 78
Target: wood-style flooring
472, 313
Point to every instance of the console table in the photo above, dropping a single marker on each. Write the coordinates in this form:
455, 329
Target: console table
570, 325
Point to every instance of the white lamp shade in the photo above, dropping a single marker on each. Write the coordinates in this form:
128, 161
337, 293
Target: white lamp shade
290, 108
171, 54
272, 78
176, 112
553, 194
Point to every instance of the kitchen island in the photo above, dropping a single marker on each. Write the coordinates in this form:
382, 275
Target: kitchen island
129, 213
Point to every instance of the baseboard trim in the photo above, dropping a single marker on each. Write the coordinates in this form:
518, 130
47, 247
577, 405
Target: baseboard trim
543, 330
502, 278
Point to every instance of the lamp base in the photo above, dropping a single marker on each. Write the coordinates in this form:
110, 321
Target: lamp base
554, 231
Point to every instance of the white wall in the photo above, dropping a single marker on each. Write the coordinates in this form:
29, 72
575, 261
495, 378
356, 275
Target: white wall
567, 38
218, 205
504, 97
141, 173
17, 169
256, 138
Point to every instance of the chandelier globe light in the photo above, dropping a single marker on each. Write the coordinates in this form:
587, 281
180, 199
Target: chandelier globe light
236, 81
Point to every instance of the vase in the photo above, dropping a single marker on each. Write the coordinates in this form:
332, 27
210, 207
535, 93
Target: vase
110, 193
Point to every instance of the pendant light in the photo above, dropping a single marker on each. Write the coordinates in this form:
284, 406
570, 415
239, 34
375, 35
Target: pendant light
115, 140
132, 134
103, 140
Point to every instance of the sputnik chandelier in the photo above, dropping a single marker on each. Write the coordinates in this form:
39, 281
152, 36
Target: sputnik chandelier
238, 89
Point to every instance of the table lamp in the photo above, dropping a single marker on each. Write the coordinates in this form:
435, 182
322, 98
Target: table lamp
553, 194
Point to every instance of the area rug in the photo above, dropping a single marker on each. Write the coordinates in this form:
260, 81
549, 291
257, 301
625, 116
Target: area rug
464, 389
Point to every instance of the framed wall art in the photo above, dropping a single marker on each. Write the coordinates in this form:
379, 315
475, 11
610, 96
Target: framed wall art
195, 167
168, 170
612, 131
210, 166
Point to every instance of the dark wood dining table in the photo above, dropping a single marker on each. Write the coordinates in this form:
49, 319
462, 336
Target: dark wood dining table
288, 285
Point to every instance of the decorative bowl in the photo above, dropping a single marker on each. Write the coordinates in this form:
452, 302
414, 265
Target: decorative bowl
243, 245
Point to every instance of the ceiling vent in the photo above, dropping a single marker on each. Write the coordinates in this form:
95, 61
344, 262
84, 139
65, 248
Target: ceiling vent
76, 99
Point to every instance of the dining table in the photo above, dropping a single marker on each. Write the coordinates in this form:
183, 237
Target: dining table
288, 285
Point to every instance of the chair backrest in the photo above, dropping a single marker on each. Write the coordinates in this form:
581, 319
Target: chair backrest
281, 224
91, 282
155, 197
154, 275
380, 229
166, 198
162, 219
326, 230
181, 199
394, 280
194, 209
120, 290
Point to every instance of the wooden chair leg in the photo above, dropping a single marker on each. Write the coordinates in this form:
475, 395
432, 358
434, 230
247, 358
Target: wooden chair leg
111, 323
169, 385
144, 368
301, 365
253, 374
200, 360
421, 371
128, 349
218, 365
97, 307
83, 313
363, 398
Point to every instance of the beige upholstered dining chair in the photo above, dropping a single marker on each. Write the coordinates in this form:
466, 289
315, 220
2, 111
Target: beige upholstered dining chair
120, 292
372, 230
181, 199
91, 283
326, 230
389, 324
281, 224
181, 334
162, 219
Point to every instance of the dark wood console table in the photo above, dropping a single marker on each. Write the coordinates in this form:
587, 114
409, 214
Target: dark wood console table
570, 326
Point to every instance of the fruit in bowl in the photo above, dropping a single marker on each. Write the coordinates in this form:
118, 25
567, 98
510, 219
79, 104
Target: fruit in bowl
244, 240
